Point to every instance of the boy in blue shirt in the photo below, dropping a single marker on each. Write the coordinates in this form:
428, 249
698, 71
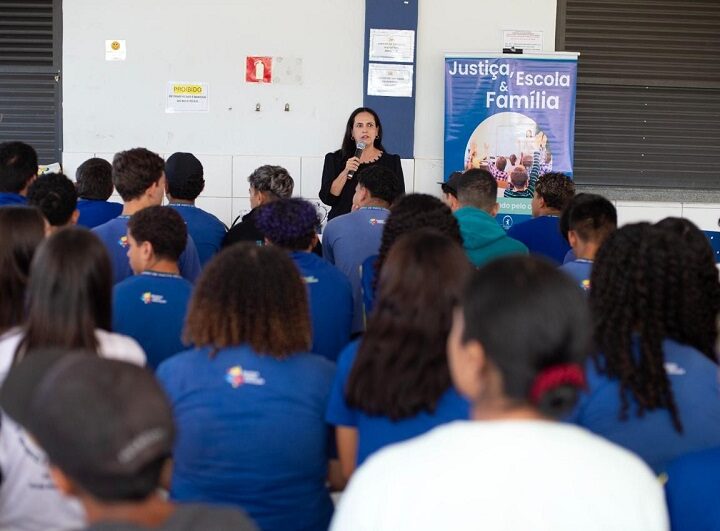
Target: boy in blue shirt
292, 225
93, 180
586, 223
18, 169
139, 178
151, 306
184, 183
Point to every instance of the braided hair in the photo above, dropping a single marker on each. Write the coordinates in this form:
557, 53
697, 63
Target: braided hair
644, 285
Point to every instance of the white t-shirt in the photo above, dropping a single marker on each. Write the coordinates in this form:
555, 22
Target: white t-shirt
503, 475
29, 500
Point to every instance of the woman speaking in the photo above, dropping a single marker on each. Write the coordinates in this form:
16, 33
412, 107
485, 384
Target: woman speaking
361, 147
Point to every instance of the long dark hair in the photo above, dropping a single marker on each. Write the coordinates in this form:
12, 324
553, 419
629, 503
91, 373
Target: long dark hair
348, 144
645, 284
401, 367
21, 231
69, 293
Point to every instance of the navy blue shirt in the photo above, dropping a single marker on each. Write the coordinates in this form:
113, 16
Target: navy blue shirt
114, 235
331, 303
252, 433
542, 236
694, 382
693, 491
206, 230
10, 199
94, 212
151, 308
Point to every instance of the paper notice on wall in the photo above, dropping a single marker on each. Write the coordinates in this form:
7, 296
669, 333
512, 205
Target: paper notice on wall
287, 70
525, 40
187, 97
115, 50
395, 46
390, 80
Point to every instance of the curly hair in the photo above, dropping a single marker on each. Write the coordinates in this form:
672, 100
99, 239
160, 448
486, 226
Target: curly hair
250, 294
135, 170
401, 367
556, 189
411, 212
289, 223
274, 180
645, 284
93, 179
380, 181
55, 195
163, 227
22, 229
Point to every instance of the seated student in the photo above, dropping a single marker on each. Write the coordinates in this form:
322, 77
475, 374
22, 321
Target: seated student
69, 306
652, 385
93, 180
350, 238
250, 400
108, 430
151, 306
394, 383
409, 213
18, 169
55, 195
139, 177
541, 234
292, 224
22, 229
184, 183
472, 196
511, 466
267, 183
589, 219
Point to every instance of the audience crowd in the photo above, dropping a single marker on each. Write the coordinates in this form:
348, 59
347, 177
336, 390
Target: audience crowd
410, 365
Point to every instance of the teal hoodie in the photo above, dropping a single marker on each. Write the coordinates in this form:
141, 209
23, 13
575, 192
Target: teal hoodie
483, 238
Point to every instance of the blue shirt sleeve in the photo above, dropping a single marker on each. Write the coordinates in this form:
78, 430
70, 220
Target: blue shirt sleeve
338, 412
327, 249
190, 261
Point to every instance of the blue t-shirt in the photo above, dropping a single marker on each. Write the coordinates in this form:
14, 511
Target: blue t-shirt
206, 230
376, 432
331, 303
94, 212
694, 382
10, 199
151, 308
114, 235
542, 236
252, 433
579, 269
367, 280
693, 491
347, 241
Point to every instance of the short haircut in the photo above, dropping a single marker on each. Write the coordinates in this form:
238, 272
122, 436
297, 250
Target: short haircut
477, 188
556, 189
135, 170
592, 217
380, 181
18, 164
93, 179
250, 294
289, 223
525, 289
184, 174
501, 163
274, 180
163, 227
56, 197
519, 176
105, 423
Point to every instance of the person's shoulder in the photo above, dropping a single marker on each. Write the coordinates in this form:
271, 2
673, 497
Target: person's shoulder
110, 226
315, 364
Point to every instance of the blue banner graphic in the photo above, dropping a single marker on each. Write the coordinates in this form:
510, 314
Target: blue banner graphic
515, 116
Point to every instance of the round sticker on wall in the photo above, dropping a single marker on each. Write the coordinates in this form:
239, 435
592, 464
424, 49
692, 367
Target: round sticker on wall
115, 45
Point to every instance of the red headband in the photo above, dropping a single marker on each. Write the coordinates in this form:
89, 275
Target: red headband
555, 376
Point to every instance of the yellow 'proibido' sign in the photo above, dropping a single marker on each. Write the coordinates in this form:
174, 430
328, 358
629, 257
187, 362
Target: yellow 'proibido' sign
187, 89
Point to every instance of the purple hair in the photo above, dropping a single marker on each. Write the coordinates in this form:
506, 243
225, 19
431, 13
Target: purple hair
288, 223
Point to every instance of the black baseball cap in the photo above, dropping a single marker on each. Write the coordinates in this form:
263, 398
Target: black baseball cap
100, 421
183, 167
451, 185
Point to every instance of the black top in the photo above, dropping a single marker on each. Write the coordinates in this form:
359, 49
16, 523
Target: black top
335, 164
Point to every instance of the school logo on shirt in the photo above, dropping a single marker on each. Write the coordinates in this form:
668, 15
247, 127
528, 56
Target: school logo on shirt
151, 298
673, 369
123, 241
311, 280
376, 221
586, 284
236, 377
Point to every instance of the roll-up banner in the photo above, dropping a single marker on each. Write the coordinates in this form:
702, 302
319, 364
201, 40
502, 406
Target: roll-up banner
513, 115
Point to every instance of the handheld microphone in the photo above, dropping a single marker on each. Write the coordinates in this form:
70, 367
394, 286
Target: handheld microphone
358, 151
